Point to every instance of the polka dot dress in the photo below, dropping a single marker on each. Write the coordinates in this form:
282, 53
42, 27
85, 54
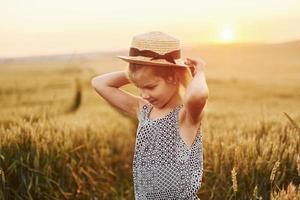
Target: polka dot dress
164, 167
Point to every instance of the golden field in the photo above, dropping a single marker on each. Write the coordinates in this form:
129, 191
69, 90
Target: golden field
60, 140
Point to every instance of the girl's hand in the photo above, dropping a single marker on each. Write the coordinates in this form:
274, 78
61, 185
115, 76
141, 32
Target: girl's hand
195, 65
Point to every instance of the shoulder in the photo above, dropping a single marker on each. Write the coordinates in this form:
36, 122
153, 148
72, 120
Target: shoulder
188, 129
184, 118
193, 110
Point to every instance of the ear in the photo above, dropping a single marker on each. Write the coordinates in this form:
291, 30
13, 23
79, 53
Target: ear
170, 79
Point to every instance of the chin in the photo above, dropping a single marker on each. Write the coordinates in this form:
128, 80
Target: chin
155, 104
159, 105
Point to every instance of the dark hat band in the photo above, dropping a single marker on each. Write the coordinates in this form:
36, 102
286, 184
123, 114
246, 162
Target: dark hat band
170, 57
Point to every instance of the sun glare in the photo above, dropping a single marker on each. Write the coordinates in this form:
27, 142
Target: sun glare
227, 35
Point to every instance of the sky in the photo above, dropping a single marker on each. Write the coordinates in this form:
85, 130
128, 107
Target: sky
45, 27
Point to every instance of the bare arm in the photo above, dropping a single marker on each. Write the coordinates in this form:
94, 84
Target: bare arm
196, 94
107, 86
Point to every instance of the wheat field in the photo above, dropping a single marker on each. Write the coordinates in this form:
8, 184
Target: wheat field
60, 140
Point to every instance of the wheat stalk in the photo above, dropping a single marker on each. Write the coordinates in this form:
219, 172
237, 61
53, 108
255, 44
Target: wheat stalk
234, 180
274, 170
298, 164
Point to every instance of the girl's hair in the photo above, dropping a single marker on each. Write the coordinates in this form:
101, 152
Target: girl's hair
182, 75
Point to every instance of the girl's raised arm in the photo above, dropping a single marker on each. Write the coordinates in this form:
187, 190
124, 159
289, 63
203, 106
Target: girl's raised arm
196, 93
107, 86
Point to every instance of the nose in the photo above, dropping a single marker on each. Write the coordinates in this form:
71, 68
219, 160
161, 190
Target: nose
144, 95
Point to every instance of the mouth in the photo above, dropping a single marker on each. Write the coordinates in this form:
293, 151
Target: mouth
152, 102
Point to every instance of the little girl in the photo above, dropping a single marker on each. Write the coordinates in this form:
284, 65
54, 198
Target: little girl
168, 158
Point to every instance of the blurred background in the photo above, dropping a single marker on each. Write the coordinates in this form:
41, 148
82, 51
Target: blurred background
61, 140
31, 28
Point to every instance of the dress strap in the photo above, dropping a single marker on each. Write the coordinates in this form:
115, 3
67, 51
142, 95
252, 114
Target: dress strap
177, 109
143, 112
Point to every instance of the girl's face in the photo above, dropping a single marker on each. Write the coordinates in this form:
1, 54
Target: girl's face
155, 90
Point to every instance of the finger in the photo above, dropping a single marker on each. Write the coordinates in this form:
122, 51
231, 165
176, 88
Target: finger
192, 61
189, 64
187, 61
192, 70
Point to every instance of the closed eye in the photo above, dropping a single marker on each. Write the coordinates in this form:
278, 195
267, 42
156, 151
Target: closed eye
150, 87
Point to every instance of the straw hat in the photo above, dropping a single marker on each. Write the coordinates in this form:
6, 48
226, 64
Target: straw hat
154, 48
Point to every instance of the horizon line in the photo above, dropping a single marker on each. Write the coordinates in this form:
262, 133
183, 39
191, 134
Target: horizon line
109, 51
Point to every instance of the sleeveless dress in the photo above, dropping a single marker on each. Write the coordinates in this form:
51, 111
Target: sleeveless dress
164, 167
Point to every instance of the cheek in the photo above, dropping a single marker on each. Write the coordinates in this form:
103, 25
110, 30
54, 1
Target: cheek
160, 94
153, 93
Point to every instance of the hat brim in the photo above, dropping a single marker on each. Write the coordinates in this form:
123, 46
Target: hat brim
147, 61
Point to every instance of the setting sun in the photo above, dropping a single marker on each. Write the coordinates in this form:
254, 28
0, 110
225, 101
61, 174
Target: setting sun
227, 35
